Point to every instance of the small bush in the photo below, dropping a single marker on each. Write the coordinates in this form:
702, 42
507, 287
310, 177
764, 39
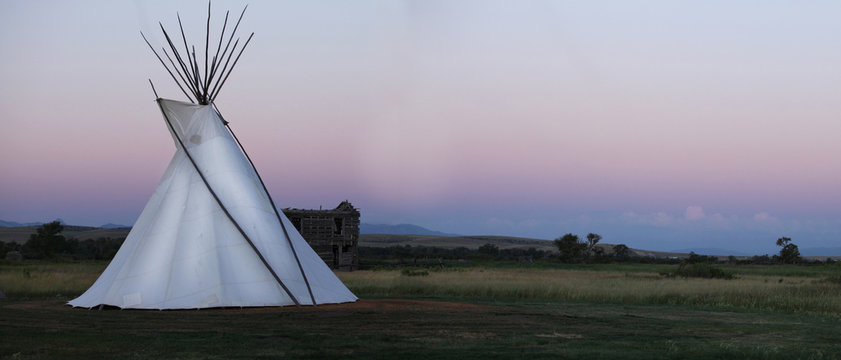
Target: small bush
834, 279
414, 272
701, 270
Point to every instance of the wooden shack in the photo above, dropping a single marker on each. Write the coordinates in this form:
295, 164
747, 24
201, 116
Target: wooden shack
333, 234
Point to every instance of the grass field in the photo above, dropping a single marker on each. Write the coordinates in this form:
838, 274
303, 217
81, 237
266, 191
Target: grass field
761, 292
538, 311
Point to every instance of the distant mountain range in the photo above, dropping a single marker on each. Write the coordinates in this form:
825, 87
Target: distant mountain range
364, 228
5, 223
813, 251
409, 229
17, 224
821, 251
113, 226
399, 229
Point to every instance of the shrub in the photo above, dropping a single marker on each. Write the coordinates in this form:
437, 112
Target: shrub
695, 258
701, 270
46, 242
621, 252
834, 279
570, 248
489, 250
414, 272
789, 254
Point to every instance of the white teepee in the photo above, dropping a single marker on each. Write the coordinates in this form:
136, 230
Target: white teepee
211, 235
185, 252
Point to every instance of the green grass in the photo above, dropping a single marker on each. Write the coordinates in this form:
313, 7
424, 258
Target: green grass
409, 329
701, 270
617, 311
785, 270
822, 270
43, 279
793, 294
774, 288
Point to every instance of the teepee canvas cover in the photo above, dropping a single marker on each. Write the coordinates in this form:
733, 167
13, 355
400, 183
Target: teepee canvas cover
211, 235
185, 252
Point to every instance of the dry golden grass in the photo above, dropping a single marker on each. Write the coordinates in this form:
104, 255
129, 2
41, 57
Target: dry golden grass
48, 280
749, 291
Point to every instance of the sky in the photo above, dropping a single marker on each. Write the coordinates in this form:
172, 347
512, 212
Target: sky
662, 125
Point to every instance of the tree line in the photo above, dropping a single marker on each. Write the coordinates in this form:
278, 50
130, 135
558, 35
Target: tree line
48, 243
484, 252
572, 249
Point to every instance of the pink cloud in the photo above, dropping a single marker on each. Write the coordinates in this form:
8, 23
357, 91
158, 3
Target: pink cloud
765, 218
659, 219
694, 213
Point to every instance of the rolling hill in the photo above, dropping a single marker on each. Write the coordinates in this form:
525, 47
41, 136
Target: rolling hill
406, 234
452, 242
404, 229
